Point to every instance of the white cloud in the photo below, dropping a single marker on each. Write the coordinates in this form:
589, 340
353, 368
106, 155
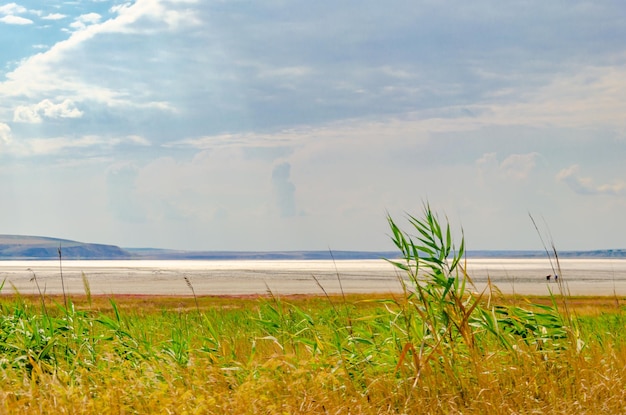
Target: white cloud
54, 16
47, 146
5, 133
140, 16
212, 183
26, 114
591, 96
98, 75
46, 109
516, 167
242, 140
519, 166
66, 109
85, 20
94, 145
16, 20
10, 12
137, 139
12, 8
586, 185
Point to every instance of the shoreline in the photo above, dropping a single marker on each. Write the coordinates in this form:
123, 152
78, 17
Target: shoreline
237, 278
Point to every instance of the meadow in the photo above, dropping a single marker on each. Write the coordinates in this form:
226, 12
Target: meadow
438, 348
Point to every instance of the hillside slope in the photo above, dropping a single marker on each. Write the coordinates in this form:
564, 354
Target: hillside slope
38, 247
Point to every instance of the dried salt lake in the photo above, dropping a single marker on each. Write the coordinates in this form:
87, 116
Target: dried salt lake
237, 277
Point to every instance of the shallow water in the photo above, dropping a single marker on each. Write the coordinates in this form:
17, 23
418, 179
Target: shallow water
524, 276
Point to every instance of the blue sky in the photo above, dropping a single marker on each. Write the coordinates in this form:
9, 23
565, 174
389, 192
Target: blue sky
277, 125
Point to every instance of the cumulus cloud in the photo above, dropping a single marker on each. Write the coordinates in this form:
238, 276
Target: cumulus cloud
284, 189
46, 109
5, 133
10, 12
110, 78
586, 186
54, 16
12, 8
514, 166
142, 15
85, 20
519, 166
16, 20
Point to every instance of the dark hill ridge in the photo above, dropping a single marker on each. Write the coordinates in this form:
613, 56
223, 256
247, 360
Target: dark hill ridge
39, 247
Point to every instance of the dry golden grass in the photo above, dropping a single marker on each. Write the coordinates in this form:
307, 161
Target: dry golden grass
251, 373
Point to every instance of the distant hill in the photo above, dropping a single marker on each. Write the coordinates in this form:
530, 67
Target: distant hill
39, 247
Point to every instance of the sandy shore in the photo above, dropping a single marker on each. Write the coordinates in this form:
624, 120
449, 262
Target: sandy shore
528, 277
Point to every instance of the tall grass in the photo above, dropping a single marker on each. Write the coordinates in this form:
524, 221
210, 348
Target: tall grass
440, 347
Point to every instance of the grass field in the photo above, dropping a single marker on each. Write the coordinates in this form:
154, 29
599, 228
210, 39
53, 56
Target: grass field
438, 348
296, 354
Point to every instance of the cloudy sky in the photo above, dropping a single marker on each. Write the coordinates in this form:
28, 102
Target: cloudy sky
278, 125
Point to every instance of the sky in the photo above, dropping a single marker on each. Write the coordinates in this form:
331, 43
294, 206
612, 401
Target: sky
300, 125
